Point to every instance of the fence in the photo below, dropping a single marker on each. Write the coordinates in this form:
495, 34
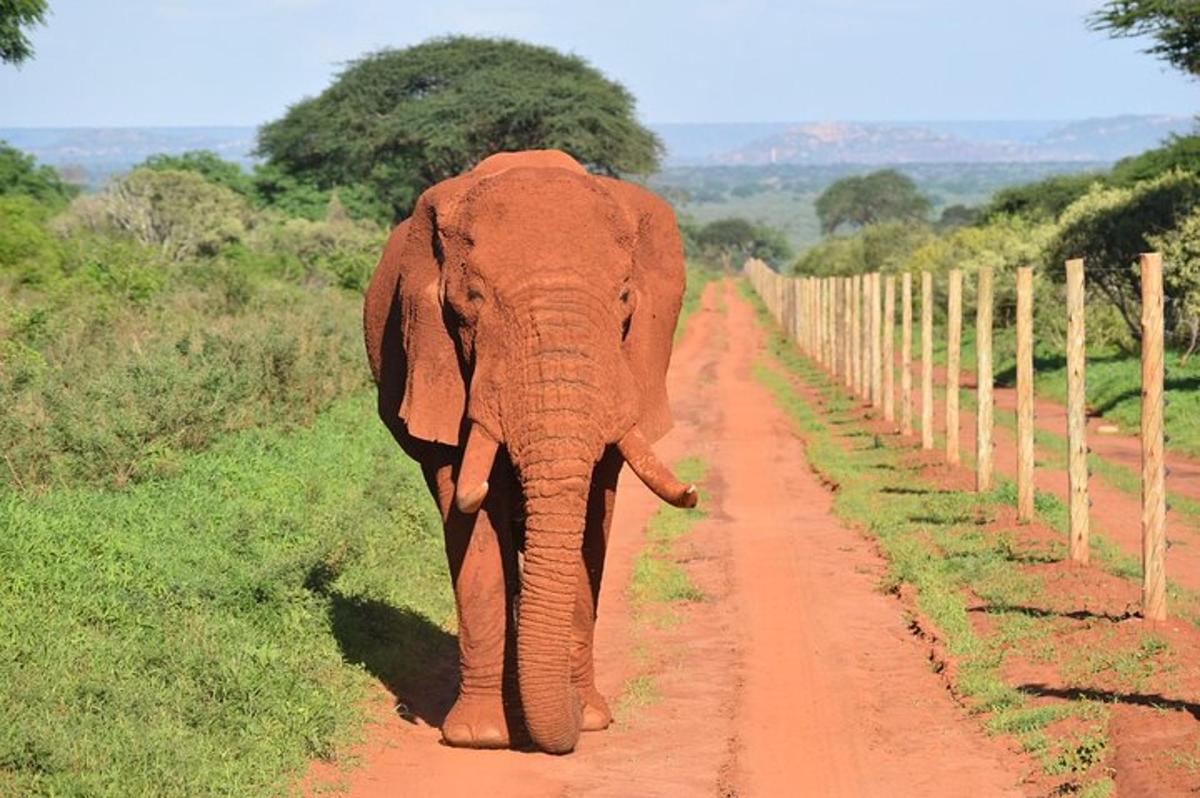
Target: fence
846, 325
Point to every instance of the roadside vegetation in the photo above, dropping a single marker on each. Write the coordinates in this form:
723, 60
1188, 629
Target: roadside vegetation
659, 585
213, 552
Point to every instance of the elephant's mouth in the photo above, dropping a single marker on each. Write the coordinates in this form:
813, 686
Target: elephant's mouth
480, 455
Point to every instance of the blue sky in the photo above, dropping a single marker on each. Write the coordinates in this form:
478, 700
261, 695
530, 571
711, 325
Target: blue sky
233, 62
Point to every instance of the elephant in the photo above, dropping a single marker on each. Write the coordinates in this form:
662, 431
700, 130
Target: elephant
519, 326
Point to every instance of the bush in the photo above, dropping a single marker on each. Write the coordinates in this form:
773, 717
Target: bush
1180, 153
21, 176
179, 213
339, 249
1109, 227
725, 241
208, 165
108, 394
1043, 200
28, 252
1180, 248
885, 246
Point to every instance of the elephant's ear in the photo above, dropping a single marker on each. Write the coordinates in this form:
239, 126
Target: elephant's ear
424, 377
659, 276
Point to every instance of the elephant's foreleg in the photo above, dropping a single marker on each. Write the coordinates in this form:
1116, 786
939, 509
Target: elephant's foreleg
482, 566
596, 713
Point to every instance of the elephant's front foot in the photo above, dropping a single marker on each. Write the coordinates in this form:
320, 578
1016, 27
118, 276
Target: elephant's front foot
477, 721
596, 714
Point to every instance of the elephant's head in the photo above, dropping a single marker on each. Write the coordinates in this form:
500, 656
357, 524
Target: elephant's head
536, 306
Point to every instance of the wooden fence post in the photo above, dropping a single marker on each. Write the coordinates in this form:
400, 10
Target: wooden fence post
906, 414
864, 324
856, 333
1077, 466
889, 348
1154, 502
847, 358
814, 330
1025, 490
953, 363
830, 327
819, 305
926, 360
826, 359
983, 382
876, 335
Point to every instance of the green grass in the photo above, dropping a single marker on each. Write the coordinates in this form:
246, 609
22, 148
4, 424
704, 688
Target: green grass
1113, 381
657, 577
639, 692
698, 278
211, 633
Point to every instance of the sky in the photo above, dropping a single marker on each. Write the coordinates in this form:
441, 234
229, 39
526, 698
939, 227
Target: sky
242, 62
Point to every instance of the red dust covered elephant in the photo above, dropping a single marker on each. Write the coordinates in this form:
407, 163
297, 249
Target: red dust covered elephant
519, 327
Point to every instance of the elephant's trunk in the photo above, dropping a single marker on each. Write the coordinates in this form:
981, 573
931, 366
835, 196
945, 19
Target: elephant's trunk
555, 426
555, 475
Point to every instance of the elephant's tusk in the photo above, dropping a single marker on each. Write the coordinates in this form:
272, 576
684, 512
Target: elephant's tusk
650, 470
480, 454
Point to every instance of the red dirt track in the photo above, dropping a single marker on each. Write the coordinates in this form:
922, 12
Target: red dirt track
795, 676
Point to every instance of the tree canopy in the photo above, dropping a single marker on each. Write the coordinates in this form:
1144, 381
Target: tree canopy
402, 120
1043, 199
16, 17
1108, 227
729, 241
1173, 24
1178, 152
861, 200
20, 174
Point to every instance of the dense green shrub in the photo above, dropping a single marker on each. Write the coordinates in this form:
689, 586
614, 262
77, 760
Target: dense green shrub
145, 322
1043, 200
1109, 227
1179, 153
728, 242
29, 254
180, 213
108, 393
884, 246
208, 165
20, 175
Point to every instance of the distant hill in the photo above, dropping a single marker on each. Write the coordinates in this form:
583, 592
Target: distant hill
94, 154
1090, 140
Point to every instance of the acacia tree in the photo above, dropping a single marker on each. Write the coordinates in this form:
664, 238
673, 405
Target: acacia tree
1173, 24
725, 240
861, 200
402, 120
16, 16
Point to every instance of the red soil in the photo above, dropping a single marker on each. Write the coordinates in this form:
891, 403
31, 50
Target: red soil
795, 675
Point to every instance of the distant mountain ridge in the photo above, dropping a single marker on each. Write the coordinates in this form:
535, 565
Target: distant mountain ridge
97, 153
1089, 140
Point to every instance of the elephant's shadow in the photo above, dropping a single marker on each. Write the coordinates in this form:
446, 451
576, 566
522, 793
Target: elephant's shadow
414, 658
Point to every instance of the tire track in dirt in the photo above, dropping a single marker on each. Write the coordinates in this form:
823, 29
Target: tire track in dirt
794, 676
838, 697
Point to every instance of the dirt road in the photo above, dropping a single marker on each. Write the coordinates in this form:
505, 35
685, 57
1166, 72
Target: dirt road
795, 676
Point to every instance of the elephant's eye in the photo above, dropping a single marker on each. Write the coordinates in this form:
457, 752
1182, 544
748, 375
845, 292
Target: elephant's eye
474, 296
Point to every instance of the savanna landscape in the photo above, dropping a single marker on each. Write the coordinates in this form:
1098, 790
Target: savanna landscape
244, 554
